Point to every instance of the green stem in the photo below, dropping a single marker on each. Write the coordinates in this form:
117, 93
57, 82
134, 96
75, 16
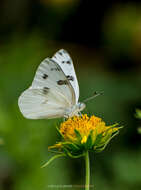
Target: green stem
87, 163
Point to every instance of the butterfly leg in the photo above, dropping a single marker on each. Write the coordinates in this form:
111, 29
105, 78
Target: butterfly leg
80, 114
65, 117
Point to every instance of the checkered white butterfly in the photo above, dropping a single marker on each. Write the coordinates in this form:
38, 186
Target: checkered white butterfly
54, 91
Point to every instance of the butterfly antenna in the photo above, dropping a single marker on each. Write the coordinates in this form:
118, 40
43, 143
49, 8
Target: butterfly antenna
94, 95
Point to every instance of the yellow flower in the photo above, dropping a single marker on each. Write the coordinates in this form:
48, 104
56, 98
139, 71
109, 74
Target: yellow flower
84, 125
81, 133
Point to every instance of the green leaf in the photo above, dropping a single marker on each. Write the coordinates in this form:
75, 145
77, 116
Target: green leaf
98, 139
99, 149
88, 144
60, 132
51, 159
71, 146
75, 156
78, 154
78, 135
104, 139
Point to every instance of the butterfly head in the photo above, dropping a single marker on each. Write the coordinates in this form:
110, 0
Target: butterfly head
74, 110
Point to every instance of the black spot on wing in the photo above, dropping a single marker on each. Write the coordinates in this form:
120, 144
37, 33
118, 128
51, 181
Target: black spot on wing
46, 61
45, 76
45, 90
55, 69
62, 82
68, 62
60, 53
70, 77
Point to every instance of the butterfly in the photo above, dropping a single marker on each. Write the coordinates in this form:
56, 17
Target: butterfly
54, 92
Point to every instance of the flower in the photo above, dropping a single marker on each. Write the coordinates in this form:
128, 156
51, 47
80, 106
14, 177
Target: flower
83, 133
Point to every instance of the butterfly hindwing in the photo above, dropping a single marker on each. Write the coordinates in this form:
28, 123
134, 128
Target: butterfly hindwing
50, 93
35, 105
63, 59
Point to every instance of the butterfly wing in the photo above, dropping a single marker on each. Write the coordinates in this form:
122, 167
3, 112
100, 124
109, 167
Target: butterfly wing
63, 59
49, 95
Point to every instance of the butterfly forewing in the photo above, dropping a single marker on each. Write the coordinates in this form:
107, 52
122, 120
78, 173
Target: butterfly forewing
50, 93
50, 75
63, 59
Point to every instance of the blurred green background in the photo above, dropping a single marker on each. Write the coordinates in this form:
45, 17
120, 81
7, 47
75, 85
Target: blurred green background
104, 40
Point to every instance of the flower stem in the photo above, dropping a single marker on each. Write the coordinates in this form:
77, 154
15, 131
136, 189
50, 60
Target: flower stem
87, 163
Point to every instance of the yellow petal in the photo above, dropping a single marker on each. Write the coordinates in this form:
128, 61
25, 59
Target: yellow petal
84, 139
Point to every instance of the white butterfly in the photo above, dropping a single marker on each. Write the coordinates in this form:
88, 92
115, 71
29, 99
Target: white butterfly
54, 91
